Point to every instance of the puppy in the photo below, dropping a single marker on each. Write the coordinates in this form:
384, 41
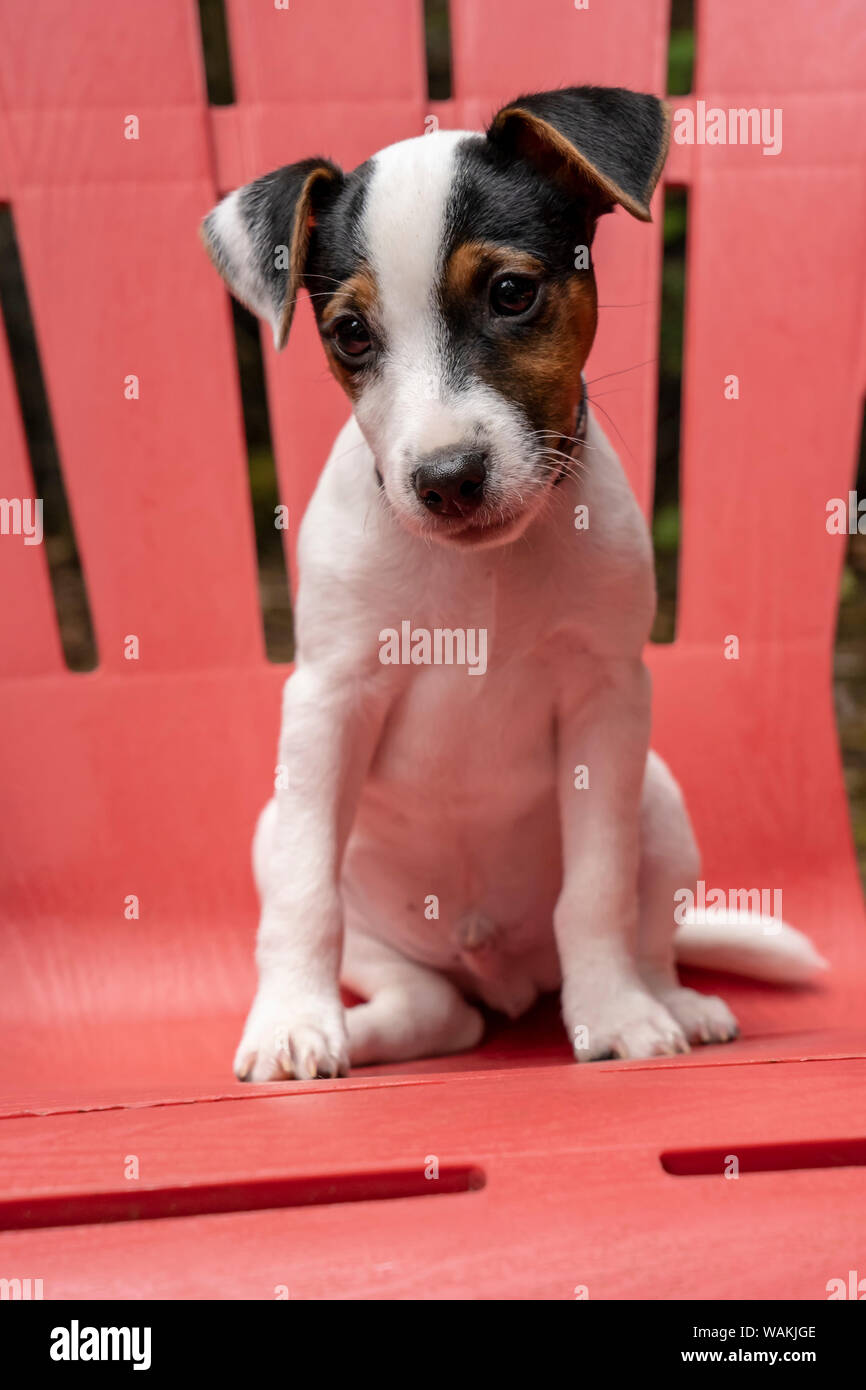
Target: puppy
470, 809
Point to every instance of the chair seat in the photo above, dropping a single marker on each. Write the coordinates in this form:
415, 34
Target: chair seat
574, 1192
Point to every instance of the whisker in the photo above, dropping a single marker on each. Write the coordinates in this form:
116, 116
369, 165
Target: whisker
318, 276
572, 439
565, 473
607, 416
547, 452
317, 294
622, 371
564, 466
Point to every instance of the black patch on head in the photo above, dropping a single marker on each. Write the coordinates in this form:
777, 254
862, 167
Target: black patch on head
506, 202
500, 199
550, 165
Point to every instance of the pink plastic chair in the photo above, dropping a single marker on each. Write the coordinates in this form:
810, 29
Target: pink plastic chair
144, 777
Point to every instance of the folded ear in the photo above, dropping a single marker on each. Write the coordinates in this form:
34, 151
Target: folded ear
613, 139
258, 237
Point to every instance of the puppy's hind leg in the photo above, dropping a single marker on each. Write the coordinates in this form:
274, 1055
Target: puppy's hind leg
670, 861
410, 1012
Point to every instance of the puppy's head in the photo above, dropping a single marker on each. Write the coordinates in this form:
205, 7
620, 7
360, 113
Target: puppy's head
453, 289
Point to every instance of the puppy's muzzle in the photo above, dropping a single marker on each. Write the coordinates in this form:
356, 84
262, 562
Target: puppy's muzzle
450, 482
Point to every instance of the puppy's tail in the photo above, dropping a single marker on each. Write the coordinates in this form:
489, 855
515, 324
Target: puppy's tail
745, 943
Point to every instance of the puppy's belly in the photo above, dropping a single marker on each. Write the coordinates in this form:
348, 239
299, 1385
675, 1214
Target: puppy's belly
455, 855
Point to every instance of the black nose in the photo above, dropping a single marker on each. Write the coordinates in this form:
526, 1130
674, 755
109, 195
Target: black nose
451, 482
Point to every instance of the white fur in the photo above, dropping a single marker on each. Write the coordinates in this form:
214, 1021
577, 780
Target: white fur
228, 231
747, 944
410, 785
410, 408
411, 781
403, 226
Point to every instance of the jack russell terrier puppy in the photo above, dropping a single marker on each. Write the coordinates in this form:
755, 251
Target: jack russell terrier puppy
443, 838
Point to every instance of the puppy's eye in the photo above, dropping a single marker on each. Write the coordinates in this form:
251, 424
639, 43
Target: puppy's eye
351, 337
512, 294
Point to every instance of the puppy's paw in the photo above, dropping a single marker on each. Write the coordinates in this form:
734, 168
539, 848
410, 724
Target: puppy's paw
285, 1044
631, 1024
704, 1018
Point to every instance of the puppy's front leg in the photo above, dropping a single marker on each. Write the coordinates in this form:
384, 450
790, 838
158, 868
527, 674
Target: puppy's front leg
330, 725
606, 1008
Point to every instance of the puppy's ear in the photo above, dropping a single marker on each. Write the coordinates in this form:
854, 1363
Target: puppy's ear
258, 237
613, 140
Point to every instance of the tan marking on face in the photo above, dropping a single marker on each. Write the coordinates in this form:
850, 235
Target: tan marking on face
539, 367
357, 295
473, 262
542, 371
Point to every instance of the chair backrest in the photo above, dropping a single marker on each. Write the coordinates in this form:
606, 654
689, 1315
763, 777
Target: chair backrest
143, 778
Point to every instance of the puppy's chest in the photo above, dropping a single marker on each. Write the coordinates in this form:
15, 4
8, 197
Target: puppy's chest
477, 738
462, 788
478, 680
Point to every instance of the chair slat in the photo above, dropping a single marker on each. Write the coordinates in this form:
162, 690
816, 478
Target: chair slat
505, 47
157, 485
101, 54
325, 51
121, 288
758, 471
780, 46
